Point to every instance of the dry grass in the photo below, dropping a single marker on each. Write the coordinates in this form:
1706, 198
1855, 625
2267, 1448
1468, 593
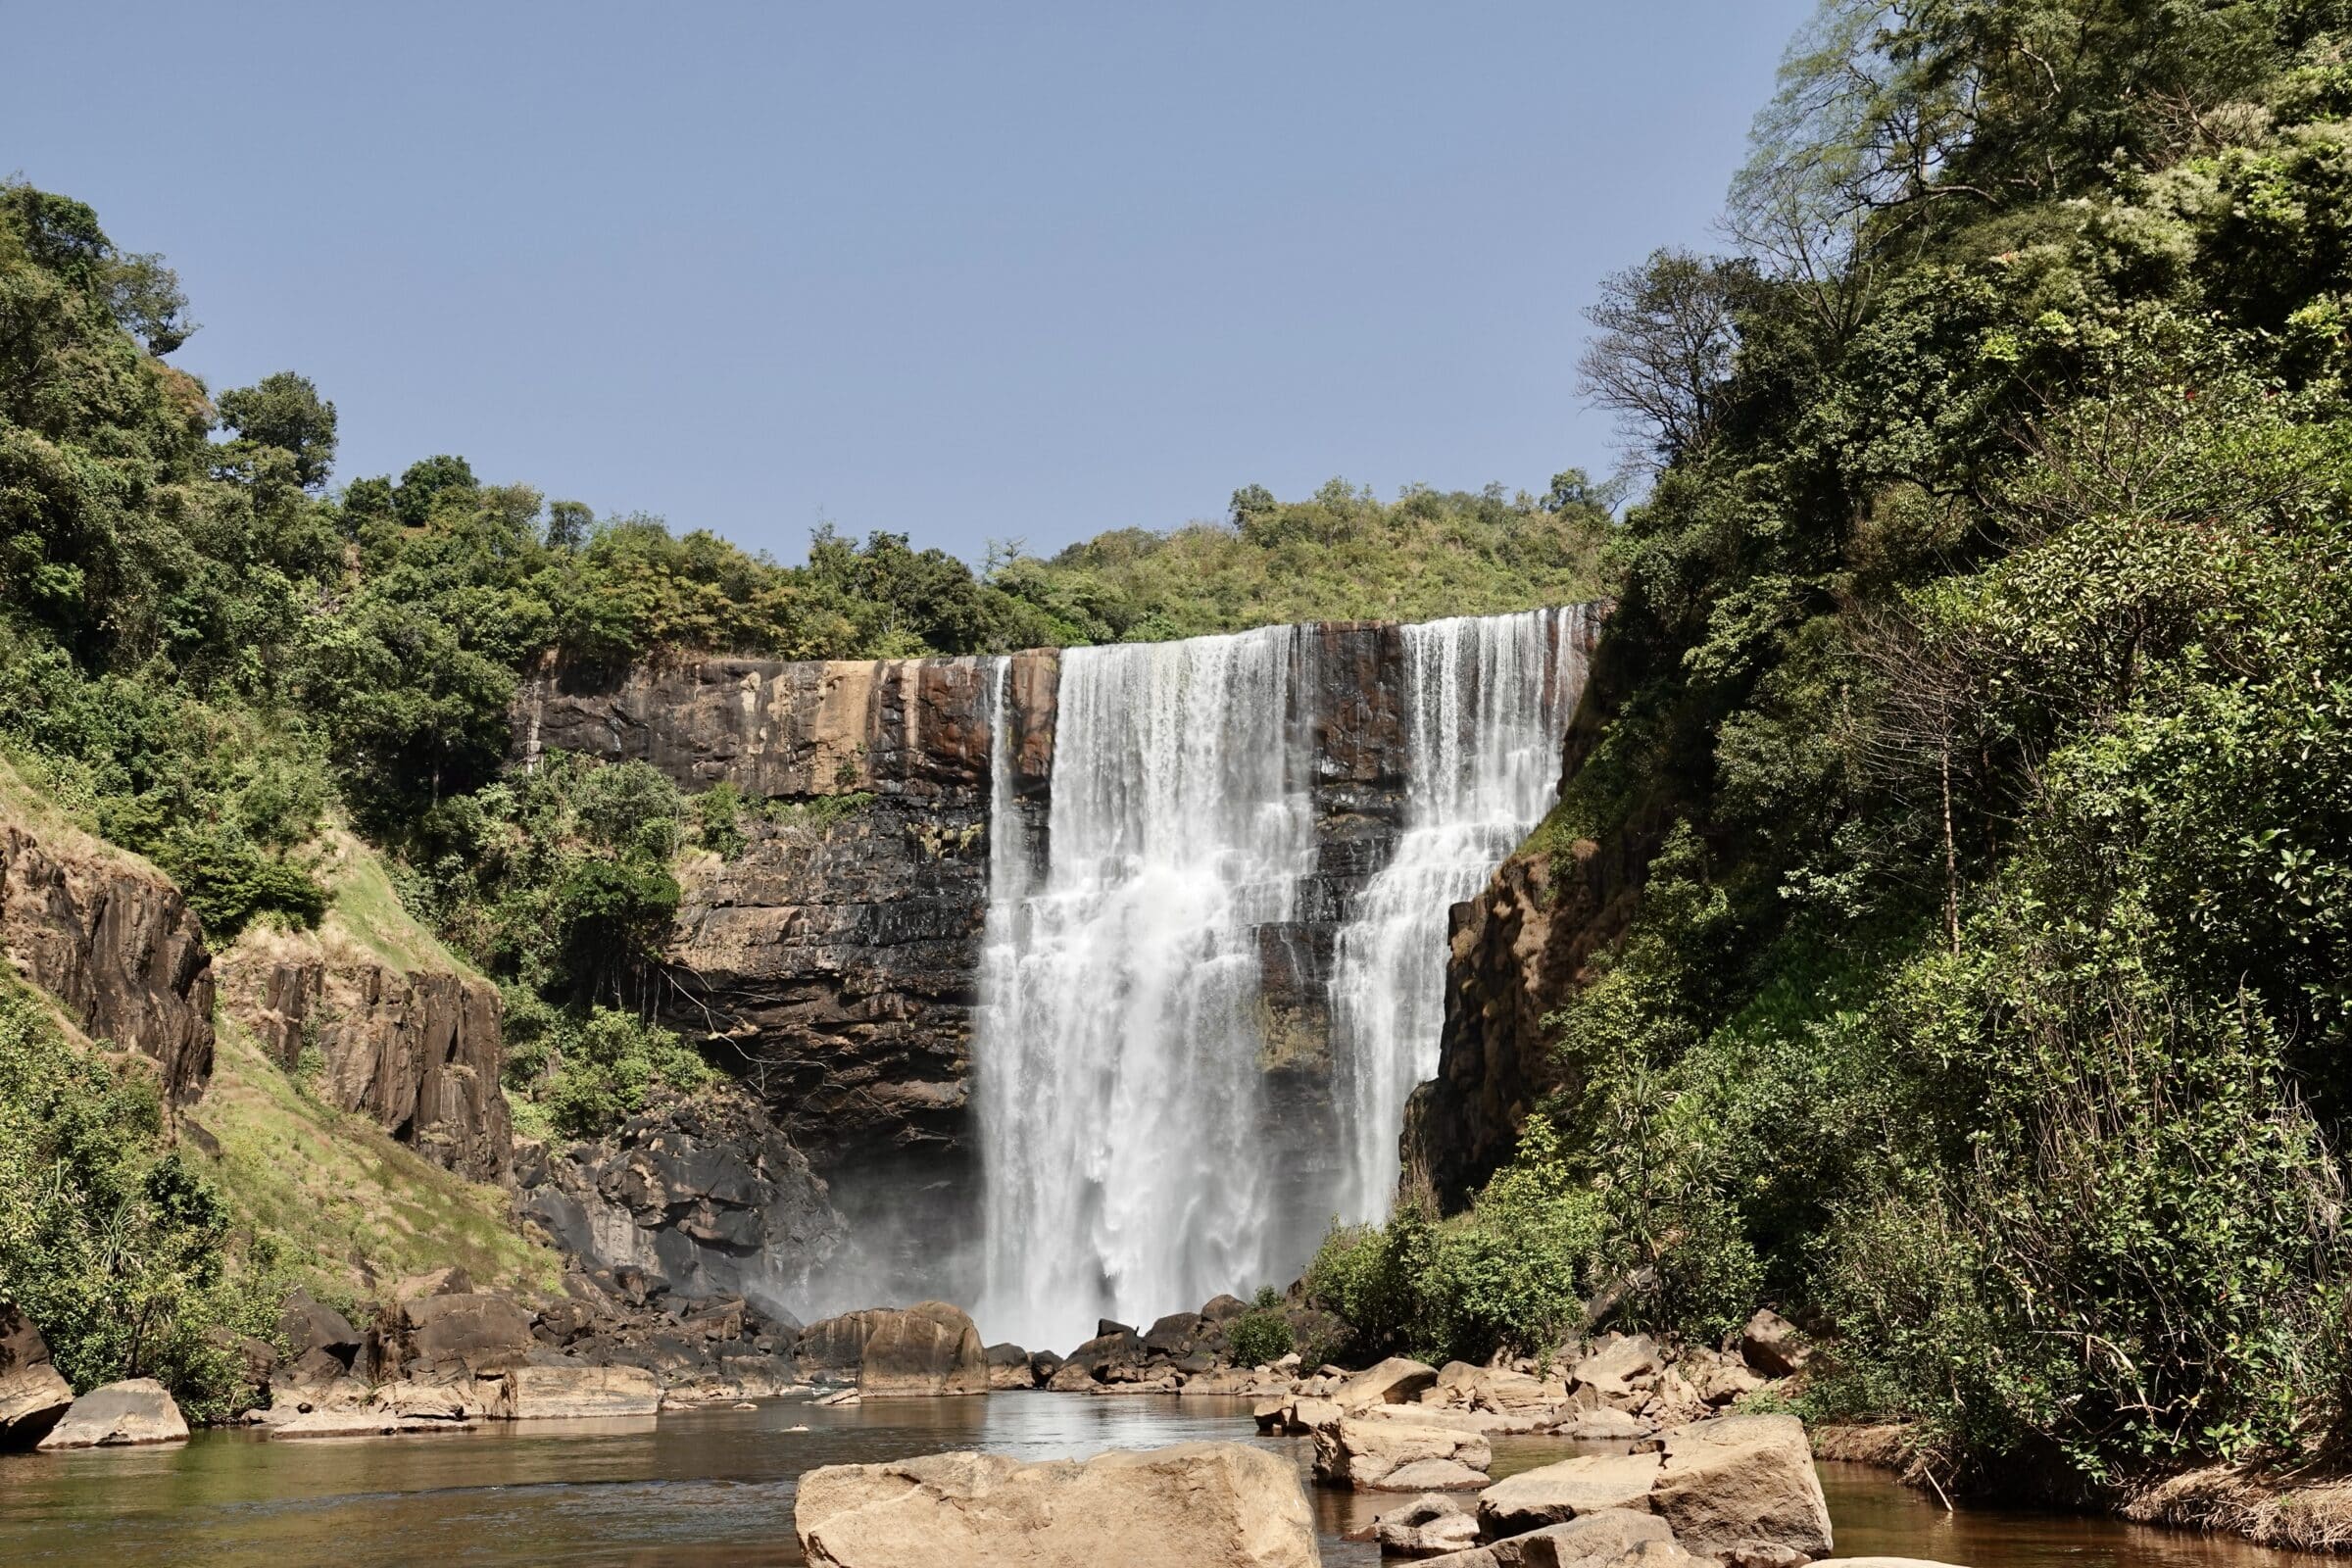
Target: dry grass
2307, 1512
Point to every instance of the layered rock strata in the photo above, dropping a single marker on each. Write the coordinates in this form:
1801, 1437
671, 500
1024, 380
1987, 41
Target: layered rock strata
113, 941
417, 1050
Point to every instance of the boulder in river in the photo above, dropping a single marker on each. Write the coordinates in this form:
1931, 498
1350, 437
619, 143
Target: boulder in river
33, 1393
477, 1330
570, 1393
1613, 1538
1194, 1505
1559, 1493
307, 1325
1399, 1457
1394, 1381
1742, 1479
894, 1352
137, 1411
1429, 1525
1011, 1367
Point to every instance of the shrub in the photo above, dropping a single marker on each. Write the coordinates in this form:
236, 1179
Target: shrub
1260, 1338
582, 1075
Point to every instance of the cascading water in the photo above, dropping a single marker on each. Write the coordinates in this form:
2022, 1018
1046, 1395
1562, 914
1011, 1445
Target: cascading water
1120, 1029
1118, 1033
1485, 701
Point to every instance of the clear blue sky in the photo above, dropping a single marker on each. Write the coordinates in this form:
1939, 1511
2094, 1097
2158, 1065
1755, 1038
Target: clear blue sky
964, 271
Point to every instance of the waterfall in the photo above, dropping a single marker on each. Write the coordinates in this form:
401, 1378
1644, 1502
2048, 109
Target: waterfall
1122, 1106
1486, 704
1117, 1032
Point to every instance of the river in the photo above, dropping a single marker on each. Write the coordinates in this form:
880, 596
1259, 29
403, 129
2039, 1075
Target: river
715, 1485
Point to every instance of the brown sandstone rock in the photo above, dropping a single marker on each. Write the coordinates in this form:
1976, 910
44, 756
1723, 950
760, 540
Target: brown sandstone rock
1558, 1492
1613, 1538
1195, 1505
1773, 1344
139, 1410
113, 941
538, 1392
33, 1395
1399, 1456
1741, 1479
1394, 1381
477, 1330
1429, 1526
931, 1348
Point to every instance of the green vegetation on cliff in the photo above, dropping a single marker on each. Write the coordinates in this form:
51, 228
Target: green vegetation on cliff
1978, 699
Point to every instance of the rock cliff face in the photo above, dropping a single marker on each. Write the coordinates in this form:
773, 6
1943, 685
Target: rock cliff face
1514, 954
417, 1050
113, 941
697, 1200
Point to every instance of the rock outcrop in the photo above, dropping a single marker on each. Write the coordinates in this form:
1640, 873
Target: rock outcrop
137, 1411
1373, 1455
111, 939
696, 1199
33, 1394
1194, 1505
1555, 1494
415, 1049
891, 1352
1742, 1479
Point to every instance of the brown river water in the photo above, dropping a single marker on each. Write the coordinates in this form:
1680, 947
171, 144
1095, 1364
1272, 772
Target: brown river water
715, 1486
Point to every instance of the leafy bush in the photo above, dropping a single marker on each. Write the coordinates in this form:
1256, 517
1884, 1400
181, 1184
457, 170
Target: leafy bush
582, 1075
1260, 1338
113, 1246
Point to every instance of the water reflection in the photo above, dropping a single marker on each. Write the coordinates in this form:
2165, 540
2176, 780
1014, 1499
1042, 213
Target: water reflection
717, 1486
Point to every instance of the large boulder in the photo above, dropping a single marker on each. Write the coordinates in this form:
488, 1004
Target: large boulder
306, 1325
1116, 1348
1429, 1525
1396, 1381
1620, 1368
1773, 1344
1559, 1493
33, 1393
1195, 1505
1399, 1457
1613, 1538
1743, 1481
475, 1330
542, 1391
892, 1352
137, 1411
1009, 1367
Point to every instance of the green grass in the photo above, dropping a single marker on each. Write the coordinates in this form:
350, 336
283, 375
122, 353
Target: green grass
335, 1191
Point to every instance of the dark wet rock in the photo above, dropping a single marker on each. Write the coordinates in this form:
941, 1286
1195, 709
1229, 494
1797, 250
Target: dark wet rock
1115, 1347
479, 1330
700, 1201
308, 1325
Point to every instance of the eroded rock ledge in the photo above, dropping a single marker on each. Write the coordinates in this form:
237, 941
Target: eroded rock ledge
111, 939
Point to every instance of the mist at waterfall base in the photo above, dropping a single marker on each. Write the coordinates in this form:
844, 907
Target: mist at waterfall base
1128, 1163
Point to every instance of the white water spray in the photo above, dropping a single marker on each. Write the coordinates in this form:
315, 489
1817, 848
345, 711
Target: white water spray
1486, 704
1119, 1033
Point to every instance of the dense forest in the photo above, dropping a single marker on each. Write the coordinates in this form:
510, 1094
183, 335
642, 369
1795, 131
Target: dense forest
1976, 702
1976, 699
216, 656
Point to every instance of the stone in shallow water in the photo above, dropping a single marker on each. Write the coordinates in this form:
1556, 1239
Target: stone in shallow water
1558, 1492
136, 1411
1429, 1526
1195, 1505
1742, 1479
1386, 1457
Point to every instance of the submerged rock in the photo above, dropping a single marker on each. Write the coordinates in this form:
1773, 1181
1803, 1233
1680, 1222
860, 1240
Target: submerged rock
1194, 1505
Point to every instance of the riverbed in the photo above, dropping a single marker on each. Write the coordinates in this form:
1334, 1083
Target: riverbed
715, 1485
